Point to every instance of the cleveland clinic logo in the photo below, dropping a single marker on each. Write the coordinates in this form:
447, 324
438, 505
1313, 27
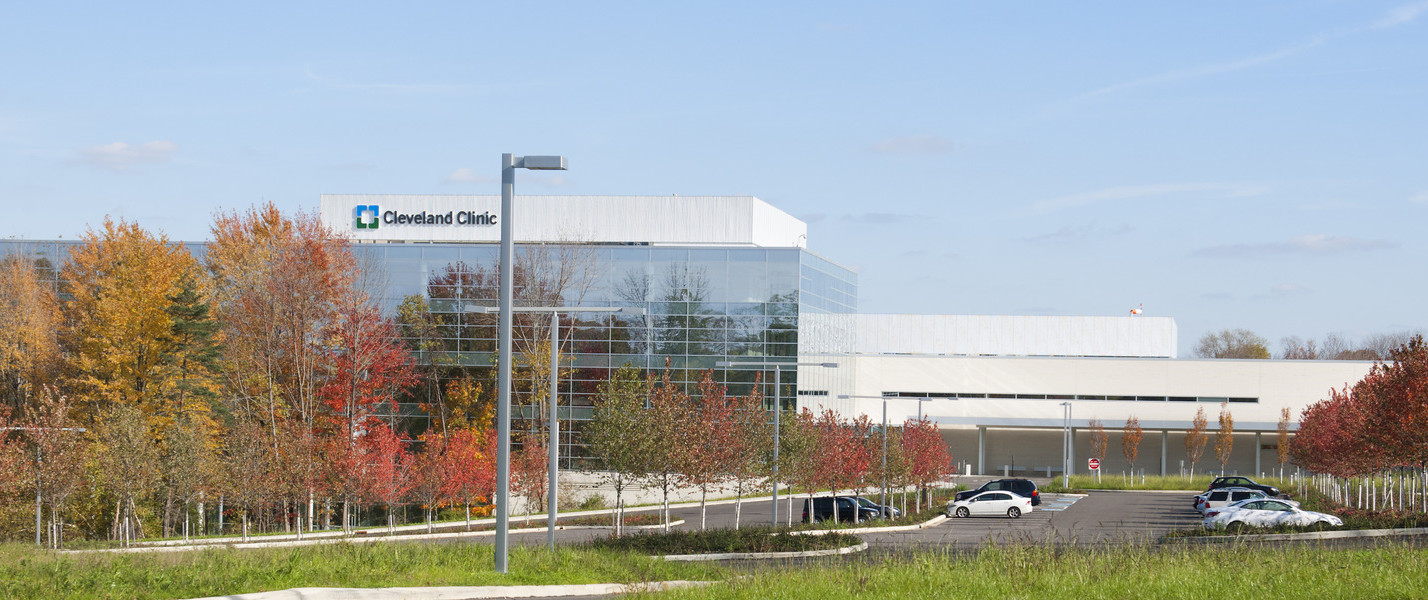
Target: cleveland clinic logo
367, 216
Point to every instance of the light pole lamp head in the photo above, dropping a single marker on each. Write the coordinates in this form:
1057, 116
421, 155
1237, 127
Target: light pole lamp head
541, 163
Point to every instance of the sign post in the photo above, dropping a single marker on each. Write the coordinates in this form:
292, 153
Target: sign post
1094, 464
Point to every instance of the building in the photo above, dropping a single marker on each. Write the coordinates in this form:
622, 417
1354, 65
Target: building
731, 280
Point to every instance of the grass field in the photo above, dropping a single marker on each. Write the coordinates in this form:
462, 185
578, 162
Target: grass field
1111, 573
26, 573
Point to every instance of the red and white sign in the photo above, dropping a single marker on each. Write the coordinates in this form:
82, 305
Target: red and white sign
1094, 464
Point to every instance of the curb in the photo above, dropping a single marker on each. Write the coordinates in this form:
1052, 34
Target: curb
456, 592
1312, 535
933, 522
764, 555
349, 540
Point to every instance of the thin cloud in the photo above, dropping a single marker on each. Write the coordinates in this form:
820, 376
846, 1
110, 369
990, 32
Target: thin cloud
1421, 198
1314, 244
881, 218
1217, 296
1082, 232
813, 217
1395, 17
464, 175
1131, 192
119, 156
1288, 289
916, 144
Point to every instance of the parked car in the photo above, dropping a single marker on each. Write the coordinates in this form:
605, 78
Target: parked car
996, 502
1265, 512
1224, 496
889, 512
849, 509
1025, 488
1244, 482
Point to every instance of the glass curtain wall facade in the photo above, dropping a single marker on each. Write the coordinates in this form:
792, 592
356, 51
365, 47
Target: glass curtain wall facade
702, 305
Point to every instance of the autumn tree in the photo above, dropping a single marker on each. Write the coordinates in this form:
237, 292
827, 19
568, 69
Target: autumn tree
530, 473
616, 433
927, 454
278, 285
55, 454
707, 441
663, 418
750, 445
470, 467
429, 475
1130, 441
1225, 437
466, 407
1196, 438
119, 338
388, 474
188, 468
1100, 442
1236, 343
368, 369
29, 322
249, 478
128, 464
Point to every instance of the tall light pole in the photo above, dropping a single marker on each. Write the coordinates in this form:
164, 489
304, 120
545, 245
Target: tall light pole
778, 370
1066, 445
509, 164
555, 311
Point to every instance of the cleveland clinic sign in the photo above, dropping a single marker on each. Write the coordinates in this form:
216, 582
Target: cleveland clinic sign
371, 216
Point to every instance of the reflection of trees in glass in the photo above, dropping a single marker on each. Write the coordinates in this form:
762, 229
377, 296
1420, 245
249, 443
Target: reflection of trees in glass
544, 276
685, 323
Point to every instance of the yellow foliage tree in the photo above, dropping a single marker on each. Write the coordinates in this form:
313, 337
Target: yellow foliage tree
29, 320
120, 330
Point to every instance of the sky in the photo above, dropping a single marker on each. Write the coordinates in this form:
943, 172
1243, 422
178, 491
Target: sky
1230, 165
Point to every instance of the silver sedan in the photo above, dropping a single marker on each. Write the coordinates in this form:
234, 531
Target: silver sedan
1265, 512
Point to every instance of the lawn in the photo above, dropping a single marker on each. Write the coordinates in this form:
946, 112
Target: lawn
29, 573
1396, 571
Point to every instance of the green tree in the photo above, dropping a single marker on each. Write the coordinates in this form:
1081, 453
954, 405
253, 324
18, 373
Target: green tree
617, 434
1236, 343
193, 356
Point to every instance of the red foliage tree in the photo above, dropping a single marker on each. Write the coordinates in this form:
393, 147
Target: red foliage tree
387, 475
708, 441
530, 472
369, 369
926, 453
428, 475
470, 468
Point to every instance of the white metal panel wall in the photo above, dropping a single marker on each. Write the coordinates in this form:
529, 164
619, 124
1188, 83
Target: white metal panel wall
974, 335
673, 220
1276, 383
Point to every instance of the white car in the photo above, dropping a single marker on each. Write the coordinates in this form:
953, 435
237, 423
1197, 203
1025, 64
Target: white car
1265, 512
995, 502
1226, 496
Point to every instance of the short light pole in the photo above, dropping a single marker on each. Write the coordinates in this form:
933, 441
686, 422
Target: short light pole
778, 370
553, 467
509, 164
1066, 445
884, 399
